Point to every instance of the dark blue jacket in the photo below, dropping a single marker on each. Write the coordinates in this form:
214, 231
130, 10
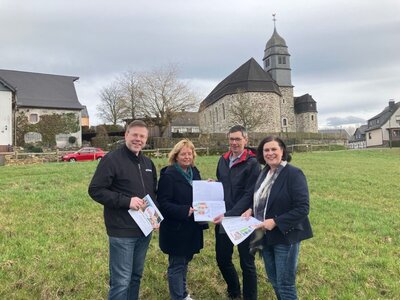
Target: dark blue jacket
288, 205
179, 234
238, 181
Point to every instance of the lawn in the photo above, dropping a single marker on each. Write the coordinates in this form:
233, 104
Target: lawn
53, 243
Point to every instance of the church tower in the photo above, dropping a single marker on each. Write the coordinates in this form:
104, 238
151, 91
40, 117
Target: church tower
277, 59
277, 64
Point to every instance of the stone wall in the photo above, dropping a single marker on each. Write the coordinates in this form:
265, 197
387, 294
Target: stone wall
307, 122
216, 118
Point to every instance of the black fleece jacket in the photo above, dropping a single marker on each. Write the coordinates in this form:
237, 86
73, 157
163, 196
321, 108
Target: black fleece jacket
119, 176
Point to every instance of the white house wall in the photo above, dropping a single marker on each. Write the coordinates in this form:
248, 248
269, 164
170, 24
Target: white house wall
6, 118
374, 138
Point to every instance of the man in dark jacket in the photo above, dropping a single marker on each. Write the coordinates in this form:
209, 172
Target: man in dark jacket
238, 170
122, 178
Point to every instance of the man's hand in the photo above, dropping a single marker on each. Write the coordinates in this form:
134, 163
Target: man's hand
136, 203
218, 219
268, 224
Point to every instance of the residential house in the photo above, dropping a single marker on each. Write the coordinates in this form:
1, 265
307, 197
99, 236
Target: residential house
39, 109
384, 128
185, 122
358, 140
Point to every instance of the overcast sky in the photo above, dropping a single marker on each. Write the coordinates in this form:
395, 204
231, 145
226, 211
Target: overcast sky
346, 54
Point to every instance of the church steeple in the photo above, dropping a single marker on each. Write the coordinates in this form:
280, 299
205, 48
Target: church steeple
277, 58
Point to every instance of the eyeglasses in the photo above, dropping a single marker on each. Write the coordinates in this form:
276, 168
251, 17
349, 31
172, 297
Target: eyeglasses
235, 139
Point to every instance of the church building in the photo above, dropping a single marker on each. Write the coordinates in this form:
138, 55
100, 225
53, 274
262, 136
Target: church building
260, 98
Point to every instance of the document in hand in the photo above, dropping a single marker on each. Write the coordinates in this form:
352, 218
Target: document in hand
238, 228
208, 200
147, 217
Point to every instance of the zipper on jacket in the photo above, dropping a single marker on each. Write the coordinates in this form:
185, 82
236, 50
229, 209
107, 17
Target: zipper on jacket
141, 178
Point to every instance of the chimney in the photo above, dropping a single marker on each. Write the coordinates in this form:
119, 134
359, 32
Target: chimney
391, 105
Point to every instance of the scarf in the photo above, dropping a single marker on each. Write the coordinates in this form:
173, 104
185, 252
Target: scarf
261, 196
188, 175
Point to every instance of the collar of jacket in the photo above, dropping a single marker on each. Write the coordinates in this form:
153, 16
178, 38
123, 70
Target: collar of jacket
246, 154
131, 155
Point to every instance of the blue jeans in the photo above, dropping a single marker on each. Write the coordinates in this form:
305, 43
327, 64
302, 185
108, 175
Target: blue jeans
127, 255
177, 271
281, 266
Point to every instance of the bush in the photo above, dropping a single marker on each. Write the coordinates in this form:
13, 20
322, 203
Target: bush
32, 148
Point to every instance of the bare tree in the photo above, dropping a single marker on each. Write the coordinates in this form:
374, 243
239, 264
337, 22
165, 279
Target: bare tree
111, 109
243, 112
163, 96
131, 93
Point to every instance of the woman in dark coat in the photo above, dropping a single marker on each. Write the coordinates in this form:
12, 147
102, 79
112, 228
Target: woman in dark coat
180, 236
281, 202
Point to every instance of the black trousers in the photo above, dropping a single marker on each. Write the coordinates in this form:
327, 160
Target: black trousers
224, 252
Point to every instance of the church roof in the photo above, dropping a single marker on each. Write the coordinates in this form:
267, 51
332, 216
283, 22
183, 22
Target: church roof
42, 90
275, 40
249, 77
305, 103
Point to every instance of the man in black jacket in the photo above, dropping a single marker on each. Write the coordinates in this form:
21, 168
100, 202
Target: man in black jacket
238, 170
122, 178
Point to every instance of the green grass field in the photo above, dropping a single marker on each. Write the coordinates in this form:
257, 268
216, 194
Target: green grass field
53, 243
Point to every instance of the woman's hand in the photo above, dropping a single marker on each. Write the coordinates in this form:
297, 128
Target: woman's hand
247, 214
268, 224
218, 219
191, 210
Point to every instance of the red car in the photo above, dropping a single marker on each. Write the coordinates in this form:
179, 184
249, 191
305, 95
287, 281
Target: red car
86, 153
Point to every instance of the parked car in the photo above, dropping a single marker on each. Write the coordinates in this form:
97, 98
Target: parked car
85, 153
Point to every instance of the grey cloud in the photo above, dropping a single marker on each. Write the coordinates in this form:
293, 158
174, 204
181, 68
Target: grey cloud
337, 121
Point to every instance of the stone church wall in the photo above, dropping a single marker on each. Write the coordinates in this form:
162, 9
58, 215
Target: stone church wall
216, 118
307, 122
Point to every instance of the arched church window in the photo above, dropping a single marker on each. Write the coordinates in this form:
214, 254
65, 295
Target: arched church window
284, 122
312, 117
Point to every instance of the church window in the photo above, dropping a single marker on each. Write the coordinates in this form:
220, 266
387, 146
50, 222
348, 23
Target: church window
284, 60
211, 120
369, 135
312, 117
279, 60
216, 114
223, 111
267, 62
283, 100
33, 118
284, 122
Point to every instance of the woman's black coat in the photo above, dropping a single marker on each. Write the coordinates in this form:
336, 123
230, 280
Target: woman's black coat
179, 234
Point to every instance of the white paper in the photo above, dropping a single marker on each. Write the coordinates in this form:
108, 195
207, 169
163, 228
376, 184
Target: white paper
208, 200
147, 217
238, 228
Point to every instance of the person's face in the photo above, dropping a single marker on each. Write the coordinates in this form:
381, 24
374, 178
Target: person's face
237, 142
272, 154
135, 138
185, 157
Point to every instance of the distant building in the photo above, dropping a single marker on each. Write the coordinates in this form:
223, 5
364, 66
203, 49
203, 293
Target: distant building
85, 117
185, 122
38, 108
358, 140
384, 128
267, 90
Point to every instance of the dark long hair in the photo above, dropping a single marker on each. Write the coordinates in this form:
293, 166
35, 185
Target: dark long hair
260, 149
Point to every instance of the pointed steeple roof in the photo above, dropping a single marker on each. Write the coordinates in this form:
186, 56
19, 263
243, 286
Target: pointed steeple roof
249, 77
275, 40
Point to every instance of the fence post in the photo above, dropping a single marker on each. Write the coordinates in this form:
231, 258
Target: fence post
57, 154
208, 151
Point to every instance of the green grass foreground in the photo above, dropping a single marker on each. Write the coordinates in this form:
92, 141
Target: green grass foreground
53, 243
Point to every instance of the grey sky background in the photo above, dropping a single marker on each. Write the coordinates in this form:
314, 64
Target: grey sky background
346, 54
